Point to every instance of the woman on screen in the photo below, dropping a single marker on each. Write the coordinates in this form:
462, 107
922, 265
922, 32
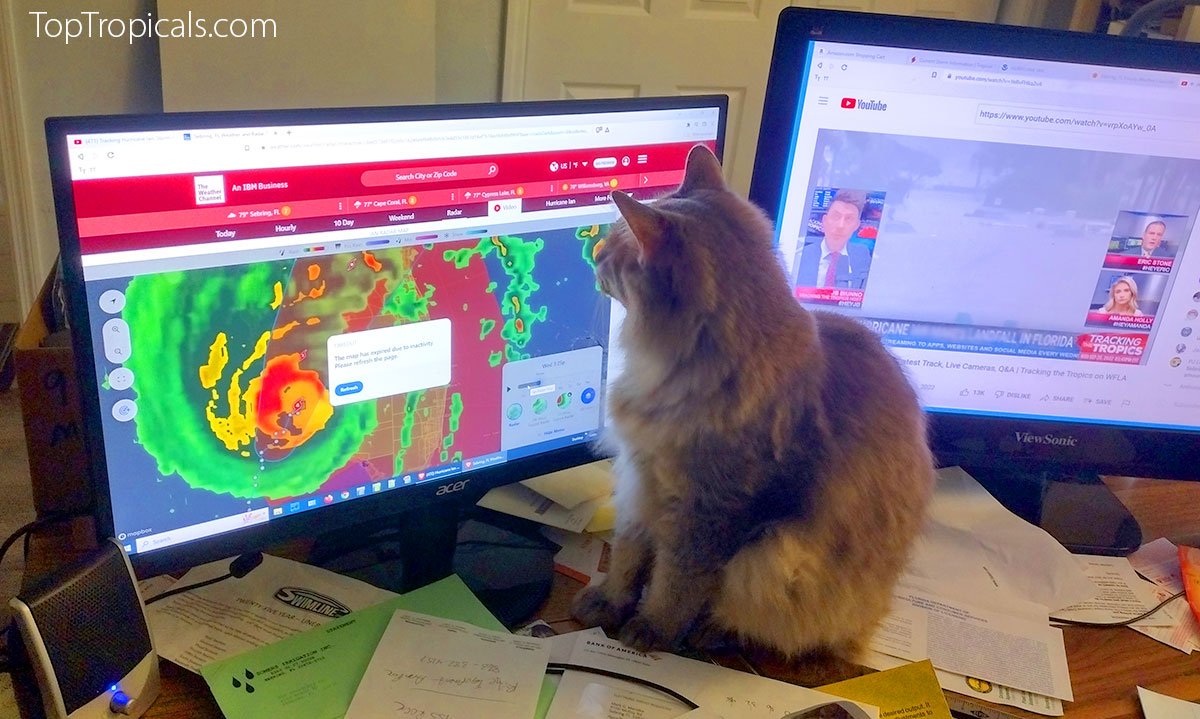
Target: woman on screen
1122, 298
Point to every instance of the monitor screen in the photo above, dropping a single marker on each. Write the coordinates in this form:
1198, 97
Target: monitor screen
288, 312
1021, 233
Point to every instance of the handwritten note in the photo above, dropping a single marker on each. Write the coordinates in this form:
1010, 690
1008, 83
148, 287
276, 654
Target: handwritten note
430, 668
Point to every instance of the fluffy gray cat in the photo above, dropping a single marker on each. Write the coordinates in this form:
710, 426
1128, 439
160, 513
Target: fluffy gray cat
772, 463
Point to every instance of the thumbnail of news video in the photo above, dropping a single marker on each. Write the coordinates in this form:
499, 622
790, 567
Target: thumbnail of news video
991, 248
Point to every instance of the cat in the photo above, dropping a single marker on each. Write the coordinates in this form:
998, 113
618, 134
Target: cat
772, 467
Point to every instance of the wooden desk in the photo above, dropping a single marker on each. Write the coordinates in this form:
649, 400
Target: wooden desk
1106, 664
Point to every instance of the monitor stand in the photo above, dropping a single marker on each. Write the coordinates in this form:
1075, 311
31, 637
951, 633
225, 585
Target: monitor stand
1073, 506
505, 561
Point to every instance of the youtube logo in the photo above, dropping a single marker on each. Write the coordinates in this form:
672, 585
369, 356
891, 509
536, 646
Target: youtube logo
849, 103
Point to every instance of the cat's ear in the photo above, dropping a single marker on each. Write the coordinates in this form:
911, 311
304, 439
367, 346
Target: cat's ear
646, 223
703, 171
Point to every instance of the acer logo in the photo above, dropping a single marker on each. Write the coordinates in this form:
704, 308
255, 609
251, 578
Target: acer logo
1030, 438
452, 487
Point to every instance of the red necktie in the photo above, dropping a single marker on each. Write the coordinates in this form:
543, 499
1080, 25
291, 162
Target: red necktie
831, 273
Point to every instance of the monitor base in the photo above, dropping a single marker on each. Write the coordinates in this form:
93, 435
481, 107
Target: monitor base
504, 561
1074, 507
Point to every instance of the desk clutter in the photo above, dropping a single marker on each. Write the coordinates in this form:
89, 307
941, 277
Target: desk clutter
291, 635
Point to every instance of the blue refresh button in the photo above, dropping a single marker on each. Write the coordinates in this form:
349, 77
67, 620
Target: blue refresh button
588, 395
347, 388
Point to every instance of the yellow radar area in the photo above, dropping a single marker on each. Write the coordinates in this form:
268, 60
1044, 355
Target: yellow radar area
275, 303
218, 357
237, 428
500, 246
596, 249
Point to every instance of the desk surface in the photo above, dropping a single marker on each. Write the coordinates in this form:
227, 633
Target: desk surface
1106, 664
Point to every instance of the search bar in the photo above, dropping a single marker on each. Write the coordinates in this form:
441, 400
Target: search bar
432, 173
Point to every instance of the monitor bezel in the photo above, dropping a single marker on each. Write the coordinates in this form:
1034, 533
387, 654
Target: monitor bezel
341, 515
962, 438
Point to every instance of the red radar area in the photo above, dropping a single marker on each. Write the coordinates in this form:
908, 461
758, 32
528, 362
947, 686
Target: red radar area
293, 404
463, 297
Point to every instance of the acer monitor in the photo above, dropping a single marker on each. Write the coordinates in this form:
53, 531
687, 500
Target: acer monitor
294, 322
1023, 237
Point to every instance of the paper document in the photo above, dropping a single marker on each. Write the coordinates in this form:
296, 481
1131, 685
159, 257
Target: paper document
314, 674
1158, 561
583, 557
154, 586
571, 487
587, 696
976, 642
277, 599
723, 692
974, 688
972, 540
523, 502
439, 668
1161, 706
907, 692
1122, 594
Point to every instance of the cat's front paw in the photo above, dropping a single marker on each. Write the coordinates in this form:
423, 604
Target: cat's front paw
593, 608
644, 635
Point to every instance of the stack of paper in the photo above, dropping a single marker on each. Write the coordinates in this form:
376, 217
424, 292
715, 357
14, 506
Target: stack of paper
1158, 561
575, 505
588, 689
974, 599
413, 656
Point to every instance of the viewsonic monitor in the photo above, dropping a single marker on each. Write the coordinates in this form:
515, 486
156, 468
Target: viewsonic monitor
1013, 211
290, 322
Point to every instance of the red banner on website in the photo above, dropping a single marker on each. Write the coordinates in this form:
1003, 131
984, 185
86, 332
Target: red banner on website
1112, 347
830, 296
157, 193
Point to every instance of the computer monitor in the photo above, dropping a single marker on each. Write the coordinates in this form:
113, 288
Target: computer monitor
1013, 211
289, 322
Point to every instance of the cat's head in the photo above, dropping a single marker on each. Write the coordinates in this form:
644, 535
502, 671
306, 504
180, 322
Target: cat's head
673, 264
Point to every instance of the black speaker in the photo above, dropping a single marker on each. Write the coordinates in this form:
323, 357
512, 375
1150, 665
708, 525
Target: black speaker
84, 635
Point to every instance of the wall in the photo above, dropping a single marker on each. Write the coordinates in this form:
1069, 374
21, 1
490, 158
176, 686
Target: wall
43, 77
469, 47
319, 54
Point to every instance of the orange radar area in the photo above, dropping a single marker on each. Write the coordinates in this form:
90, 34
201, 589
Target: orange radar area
374, 264
293, 403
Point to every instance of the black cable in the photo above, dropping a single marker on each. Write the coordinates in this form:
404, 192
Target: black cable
560, 667
29, 527
238, 568
1127, 622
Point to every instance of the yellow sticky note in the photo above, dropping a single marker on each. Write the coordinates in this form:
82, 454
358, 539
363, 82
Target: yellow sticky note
908, 692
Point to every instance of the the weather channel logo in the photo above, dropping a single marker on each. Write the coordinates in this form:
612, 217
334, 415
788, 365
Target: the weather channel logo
210, 189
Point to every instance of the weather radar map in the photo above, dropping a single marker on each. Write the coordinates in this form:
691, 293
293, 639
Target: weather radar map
232, 374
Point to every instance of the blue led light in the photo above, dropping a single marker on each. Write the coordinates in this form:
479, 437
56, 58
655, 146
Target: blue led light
113, 688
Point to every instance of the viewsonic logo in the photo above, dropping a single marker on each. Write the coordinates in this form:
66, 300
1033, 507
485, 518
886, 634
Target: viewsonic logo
1030, 438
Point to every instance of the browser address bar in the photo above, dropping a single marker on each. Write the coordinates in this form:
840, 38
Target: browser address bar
1074, 120
432, 138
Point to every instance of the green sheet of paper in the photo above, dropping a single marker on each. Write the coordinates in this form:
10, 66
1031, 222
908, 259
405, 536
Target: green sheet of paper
315, 674
908, 692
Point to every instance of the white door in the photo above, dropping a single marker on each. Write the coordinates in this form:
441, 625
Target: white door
642, 48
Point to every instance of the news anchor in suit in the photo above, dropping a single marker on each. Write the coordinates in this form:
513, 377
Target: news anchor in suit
835, 261
1152, 245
